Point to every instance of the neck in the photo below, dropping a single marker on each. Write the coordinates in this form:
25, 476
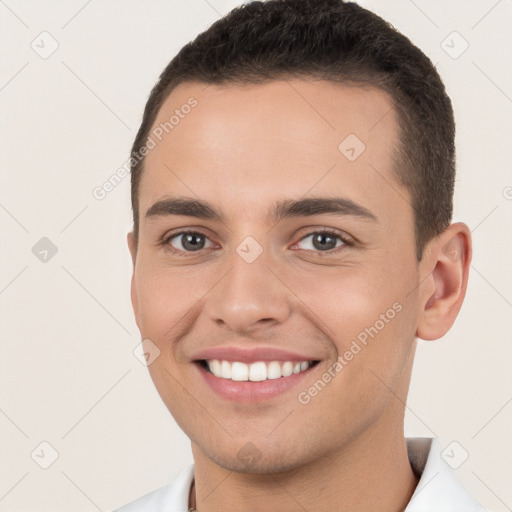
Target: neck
373, 473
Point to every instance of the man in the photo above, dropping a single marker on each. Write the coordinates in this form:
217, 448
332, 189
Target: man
292, 185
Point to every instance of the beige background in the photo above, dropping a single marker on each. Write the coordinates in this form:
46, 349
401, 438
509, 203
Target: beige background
68, 375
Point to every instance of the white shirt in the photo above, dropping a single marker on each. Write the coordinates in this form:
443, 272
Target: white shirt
438, 489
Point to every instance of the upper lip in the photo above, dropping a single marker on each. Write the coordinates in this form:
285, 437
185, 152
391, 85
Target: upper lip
250, 355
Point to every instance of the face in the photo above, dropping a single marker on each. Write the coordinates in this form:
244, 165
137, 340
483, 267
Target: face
329, 279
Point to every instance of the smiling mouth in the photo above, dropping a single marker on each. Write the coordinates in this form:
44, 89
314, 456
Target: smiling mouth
254, 372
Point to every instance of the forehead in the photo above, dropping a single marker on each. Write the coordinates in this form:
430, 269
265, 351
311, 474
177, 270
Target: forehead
280, 137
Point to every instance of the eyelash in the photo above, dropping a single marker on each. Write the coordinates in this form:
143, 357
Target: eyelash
166, 239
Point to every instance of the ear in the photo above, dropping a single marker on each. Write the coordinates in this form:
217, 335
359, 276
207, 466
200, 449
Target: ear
444, 289
132, 246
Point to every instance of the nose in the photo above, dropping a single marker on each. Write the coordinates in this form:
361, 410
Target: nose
250, 296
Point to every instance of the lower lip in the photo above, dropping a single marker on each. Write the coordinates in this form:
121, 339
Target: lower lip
249, 391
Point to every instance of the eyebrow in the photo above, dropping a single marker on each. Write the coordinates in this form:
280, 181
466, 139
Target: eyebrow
280, 209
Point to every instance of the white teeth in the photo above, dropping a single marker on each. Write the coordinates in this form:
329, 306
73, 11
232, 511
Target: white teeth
215, 368
288, 368
255, 372
274, 370
225, 370
239, 371
258, 371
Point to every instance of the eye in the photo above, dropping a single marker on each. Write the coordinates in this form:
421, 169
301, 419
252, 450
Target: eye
187, 241
323, 241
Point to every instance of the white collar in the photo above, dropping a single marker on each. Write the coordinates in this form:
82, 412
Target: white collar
438, 489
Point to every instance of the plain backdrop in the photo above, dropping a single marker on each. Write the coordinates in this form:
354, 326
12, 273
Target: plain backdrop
68, 376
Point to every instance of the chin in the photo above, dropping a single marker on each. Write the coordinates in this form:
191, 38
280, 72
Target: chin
250, 459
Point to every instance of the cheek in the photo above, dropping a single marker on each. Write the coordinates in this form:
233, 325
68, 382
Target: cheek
172, 389
368, 319
371, 357
342, 301
165, 296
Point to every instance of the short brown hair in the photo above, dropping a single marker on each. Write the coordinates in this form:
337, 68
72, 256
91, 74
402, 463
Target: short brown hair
340, 42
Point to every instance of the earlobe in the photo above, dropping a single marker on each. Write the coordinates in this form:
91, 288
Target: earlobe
443, 291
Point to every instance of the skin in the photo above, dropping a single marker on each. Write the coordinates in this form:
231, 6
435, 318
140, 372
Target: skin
242, 148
